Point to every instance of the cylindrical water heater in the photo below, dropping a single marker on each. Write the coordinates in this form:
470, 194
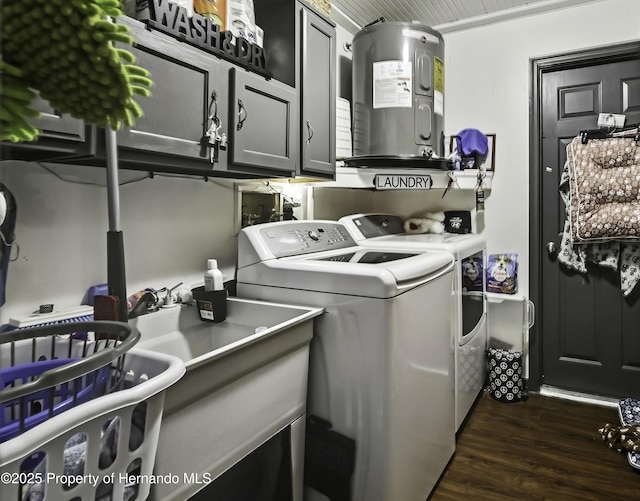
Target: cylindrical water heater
398, 94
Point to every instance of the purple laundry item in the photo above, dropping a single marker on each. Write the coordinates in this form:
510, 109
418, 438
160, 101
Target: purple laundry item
472, 147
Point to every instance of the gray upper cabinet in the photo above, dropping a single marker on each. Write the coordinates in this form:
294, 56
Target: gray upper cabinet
282, 126
277, 124
196, 92
61, 137
172, 132
311, 71
261, 124
317, 94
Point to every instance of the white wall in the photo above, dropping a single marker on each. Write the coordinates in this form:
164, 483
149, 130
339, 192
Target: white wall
170, 228
333, 203
487, 86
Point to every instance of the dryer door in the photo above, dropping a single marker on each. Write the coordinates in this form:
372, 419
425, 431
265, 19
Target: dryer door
473, 312
474, 303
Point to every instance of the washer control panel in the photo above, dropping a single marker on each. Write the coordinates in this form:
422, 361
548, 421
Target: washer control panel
299, 237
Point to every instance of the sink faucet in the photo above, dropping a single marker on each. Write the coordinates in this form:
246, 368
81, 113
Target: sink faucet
170, 299
142, 303
147, 301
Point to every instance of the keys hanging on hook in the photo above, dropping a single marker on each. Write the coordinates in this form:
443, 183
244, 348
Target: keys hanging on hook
211, 135
480, 193
217, 140
452, 183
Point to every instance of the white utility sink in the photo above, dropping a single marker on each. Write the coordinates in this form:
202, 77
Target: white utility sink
244, 383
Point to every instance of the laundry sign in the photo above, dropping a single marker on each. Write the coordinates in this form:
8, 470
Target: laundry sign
402, 182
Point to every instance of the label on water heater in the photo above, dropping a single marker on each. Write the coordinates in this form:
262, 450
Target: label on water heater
438, 103
438, 86
438, 74
392, 84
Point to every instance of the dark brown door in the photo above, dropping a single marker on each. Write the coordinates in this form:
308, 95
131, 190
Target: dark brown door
589, 332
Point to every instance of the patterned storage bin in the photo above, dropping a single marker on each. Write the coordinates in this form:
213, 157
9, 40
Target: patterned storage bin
505, 375
629, 412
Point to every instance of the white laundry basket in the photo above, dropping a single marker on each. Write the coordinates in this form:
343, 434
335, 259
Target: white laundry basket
100, 447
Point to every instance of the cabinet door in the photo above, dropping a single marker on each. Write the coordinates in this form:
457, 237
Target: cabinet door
172, 130
61, 136
317, 95
261, 118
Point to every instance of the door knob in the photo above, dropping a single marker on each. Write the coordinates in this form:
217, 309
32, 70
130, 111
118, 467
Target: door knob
552, 251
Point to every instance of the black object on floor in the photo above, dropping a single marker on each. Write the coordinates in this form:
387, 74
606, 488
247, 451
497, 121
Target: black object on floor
329, 460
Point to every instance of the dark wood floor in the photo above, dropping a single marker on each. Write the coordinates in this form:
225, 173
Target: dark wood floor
543, 448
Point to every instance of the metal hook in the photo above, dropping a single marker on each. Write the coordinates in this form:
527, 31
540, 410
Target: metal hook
452, 182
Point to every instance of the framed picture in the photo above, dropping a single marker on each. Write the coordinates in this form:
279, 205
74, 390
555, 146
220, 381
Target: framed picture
490, 162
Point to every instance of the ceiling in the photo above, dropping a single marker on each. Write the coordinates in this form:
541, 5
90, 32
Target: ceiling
463, 13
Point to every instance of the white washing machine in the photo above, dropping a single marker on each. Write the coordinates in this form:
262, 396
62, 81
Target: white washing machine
469, 321
380, 400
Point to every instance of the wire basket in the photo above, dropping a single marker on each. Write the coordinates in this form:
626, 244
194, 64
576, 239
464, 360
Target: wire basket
88, 424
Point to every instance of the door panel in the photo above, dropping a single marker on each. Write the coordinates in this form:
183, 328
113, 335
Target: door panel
318, 96
175, 117
590, 332
61, 136
261, 123
631, 95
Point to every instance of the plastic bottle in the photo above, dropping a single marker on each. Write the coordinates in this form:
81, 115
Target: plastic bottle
213, 277
213, 9
212, 300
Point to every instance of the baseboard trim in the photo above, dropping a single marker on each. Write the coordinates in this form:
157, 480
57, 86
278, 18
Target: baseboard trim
550, 391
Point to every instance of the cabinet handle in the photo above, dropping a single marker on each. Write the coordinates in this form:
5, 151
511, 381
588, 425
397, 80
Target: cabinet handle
241, 119
309, 132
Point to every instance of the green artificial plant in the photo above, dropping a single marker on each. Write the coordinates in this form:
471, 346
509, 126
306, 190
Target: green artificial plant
64, 49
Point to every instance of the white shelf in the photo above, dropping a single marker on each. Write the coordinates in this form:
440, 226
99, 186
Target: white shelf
351, 177
494, 297
509, 319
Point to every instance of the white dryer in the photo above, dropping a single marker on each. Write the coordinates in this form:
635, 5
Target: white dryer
469, 320
380, 398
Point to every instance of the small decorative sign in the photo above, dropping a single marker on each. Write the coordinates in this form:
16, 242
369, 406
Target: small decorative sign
203, 33
402, 182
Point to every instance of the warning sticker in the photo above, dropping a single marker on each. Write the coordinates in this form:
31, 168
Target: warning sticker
438, 103
438, 86
392, 84
438, 74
